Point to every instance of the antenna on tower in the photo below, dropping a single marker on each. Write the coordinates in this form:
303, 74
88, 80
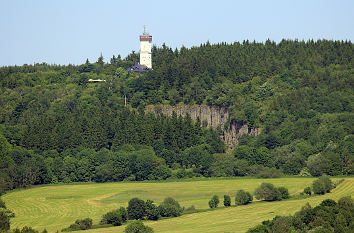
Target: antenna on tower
145, 31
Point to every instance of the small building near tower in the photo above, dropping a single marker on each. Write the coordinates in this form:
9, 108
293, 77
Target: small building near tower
145, 62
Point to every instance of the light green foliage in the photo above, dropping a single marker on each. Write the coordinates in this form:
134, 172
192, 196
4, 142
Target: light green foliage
99, 198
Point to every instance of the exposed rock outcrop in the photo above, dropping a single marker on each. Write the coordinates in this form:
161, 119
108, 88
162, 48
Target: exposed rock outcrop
211, 117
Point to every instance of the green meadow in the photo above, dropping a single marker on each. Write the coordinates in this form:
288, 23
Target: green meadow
57, 206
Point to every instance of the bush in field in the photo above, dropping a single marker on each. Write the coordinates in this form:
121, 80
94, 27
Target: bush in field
227, 200
267, 192
138, 227
136, 209
308, 191
124, 213
170, 208
284, 193
152, 212
243, 198
322, 185
80, 224
214, 202
115, 217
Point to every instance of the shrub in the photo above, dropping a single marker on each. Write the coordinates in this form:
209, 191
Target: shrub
328, 202
124, 213
113, 217
308, 191
284, 193
227, 200
243, 198
214, 202
136, 208
4, 221
2, 204
152, 212
322, 185
138, 227
170, 208
267, 192
166, 210
171, 201
80, 224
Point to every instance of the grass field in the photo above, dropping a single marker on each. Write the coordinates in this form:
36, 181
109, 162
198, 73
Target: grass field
57, 206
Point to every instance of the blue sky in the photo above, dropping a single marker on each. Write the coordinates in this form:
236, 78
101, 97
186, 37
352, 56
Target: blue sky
69, 31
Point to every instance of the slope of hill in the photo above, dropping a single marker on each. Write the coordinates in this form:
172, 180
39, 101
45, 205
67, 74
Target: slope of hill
299, 93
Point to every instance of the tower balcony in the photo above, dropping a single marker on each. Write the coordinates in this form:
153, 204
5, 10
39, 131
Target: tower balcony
145, 38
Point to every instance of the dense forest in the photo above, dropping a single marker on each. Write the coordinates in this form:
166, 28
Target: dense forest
57, 126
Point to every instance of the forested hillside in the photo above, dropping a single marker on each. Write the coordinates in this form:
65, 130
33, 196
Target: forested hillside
57, 126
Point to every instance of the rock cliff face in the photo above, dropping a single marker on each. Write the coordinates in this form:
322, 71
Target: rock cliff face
211, 117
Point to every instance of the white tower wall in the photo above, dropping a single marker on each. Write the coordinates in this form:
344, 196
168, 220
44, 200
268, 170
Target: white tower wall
145, 49
145, 53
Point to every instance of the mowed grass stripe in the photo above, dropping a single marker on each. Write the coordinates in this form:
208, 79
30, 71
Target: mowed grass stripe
57, 206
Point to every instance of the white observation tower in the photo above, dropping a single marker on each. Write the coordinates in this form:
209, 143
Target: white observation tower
145, 49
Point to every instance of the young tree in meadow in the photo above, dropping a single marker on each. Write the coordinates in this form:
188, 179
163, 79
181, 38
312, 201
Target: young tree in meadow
170, 208
152, 212
214, 202
308, 191
243, 197
227, 200
284, 193
114, 217
136, 209
322, 185
268, 192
